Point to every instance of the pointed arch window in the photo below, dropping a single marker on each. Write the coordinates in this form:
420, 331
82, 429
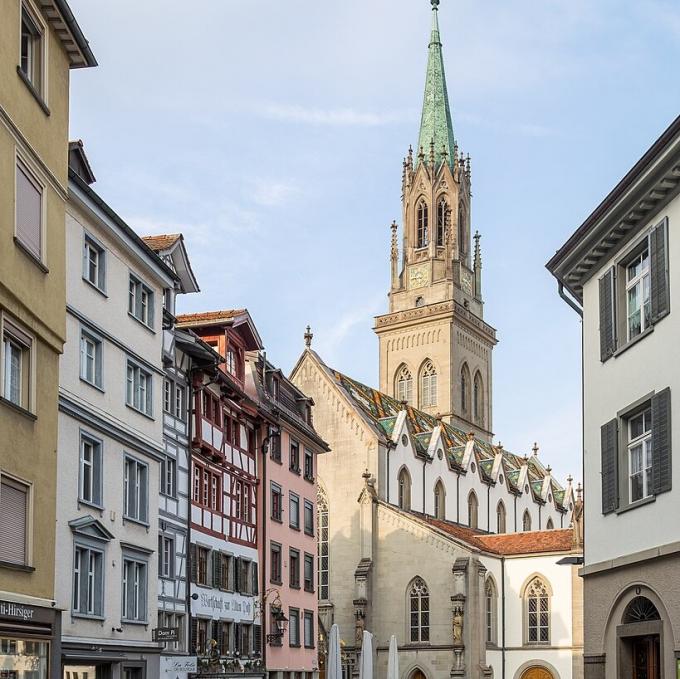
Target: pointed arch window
490, 610
442, 214
323, 546
428, 385
500, 517
404, 489
473, 510
478, 399
462, 230
526, 521
465, 389
404, 385
550, 525
419, 611
439, 501
537, 612
422, 224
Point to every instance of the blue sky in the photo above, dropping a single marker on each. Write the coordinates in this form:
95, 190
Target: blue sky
271, 134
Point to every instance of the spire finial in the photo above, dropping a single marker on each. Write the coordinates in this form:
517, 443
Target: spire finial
308, 337
435, 5
534, 450
394, 252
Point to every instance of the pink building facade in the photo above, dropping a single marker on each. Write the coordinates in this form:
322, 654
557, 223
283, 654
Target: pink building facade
288, 530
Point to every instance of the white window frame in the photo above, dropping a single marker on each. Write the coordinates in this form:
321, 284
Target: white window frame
644, 442
139, 388
136, 575
93, 606
97, 358
40, 86
140, 511
26, 340
639, 282
179, 396
168, 481
166, 557
92, 245
141, 302
95, 471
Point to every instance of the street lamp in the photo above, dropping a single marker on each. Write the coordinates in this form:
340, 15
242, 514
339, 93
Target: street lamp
281, 622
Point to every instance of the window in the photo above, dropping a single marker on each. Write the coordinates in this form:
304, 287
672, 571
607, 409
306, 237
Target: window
404, 489
202, 555
537, 612
640, 455
139, 394
465, 389
439, 501
638, 302
526, 521
550, 525
462, 229
428, 385
309, 465
275, 561
294, 511
179, 401
500, 517
404, 386
421, 225
274, 612
166, 556
231, 362
90, 359
323, 547
224, 569
473, 510
245, 639
134, 590
88, 591
309, 629
490, 599
419, 608
276, 447
140, 301
478, 400
295, 456
293, 626
14, 528
277, 502
442, 219
167, 395
94, 263
309, 517
168, 481
177, 620
136, 485
31, 60
309, 573
201, 635
90, 473
294, 568
17, 367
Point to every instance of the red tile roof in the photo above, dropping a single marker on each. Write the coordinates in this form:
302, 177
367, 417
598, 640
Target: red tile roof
208, 317
468, 535
161, 242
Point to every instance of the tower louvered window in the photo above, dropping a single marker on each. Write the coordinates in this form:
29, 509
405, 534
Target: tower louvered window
442, 213
422, 223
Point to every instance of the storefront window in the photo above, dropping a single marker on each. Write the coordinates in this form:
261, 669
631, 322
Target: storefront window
80, 671
23, 659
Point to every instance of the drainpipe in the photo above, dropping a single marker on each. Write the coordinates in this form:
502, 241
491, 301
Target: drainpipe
539, 517
503, 617
568, 300
515, 513
424, 463
488, 508
458, 498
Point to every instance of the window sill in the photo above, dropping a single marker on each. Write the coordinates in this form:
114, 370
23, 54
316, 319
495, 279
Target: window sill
274, 582
295, 470
96, 287
31, 255
142, 323
310, 533
91, 505
645, 333
139, 623
292, 586
9, 565
141, 412
32, 89
86, 616
636, 504
309, 590
276, 459
277, 519
311, 479
292, 527
309, 646
93, 385
170, 496
19, 409
294, 645
137, 522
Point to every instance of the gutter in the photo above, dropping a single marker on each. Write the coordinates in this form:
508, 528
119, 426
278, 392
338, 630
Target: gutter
76, 32
567, 299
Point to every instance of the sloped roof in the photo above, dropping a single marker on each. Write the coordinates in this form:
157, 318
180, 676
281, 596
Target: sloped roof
161, 242
209, 317
531, 542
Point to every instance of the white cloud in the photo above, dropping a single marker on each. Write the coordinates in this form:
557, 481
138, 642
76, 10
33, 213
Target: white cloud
272, 193
336, 117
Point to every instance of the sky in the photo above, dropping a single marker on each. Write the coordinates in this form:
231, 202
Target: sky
271, 134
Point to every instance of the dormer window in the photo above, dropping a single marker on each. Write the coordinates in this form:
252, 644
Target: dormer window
275, 388
231, 362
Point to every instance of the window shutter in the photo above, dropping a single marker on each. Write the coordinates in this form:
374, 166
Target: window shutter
255, 588
237, 637
659, 272
28, 213
192, 563
257, 639
610, 467
193, 636
237, 570
607, 331
13, 528
216, 569
143, 492
661, 441
97, 473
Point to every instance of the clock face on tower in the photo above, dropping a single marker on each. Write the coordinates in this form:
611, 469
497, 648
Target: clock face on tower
417, 277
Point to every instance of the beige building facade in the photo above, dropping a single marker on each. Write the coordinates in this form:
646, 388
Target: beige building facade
39, 44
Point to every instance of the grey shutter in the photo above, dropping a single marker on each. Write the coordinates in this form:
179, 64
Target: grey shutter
216, 569
193, 635
192, 563
255, 587
97, 473
661, 442
257, 639
28, 212
237, 637
607, 320
237, 570
143, 471
13, 524
610, 467
659, 272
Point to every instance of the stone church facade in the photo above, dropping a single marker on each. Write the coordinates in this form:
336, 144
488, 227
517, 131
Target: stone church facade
464, 550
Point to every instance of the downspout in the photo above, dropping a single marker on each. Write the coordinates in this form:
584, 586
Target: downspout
488, 508
515, 512
458, 498
190, 495
263, 565
539, 517
568, 300
424, 463
503, 617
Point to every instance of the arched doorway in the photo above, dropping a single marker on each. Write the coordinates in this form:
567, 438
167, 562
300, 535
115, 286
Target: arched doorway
417, 674
537, 672
641, 639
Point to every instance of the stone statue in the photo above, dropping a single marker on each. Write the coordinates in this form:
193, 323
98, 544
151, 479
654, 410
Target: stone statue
457, 625
213, 657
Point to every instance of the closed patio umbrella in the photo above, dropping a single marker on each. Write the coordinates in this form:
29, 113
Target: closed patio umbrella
393, 660
334, 668
366, 666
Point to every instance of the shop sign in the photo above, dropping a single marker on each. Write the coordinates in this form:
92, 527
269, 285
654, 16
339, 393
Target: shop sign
178, 665
165, 634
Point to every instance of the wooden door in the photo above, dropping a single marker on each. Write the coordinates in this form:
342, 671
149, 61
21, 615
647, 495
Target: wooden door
537, 673
417, 674
646, 658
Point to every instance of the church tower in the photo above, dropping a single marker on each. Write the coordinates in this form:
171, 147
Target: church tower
435, 348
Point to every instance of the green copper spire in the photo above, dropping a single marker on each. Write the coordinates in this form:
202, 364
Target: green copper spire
436, 124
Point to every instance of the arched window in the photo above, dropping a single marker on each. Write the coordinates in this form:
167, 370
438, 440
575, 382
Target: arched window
473, 510
442, 211
428, 385
478, 399
462, 229
640, 609
550, 525
419, 610
500, 517
537, 612
422, 220
490, 602
404, 489
526, 521
323, 546
465, 389
439, 501
404, 384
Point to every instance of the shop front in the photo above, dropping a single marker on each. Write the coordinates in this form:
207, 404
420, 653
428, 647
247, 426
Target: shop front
96, 660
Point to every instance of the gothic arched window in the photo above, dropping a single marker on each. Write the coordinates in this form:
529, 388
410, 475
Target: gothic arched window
439, 501
478, 399
462, 228
404, 489
422, 223
473, 510
526, 521
419, 611
442, 212
323, 561
537, 612
550, 525
465, 389
500, 517
404, 384
428, 385
490, 612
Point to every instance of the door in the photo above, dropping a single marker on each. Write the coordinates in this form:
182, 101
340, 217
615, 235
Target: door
417, 674
646, 658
